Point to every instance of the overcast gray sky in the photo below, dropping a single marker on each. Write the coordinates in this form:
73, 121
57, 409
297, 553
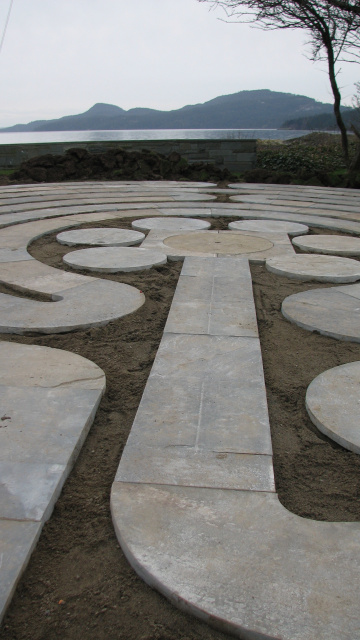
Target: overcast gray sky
62, 56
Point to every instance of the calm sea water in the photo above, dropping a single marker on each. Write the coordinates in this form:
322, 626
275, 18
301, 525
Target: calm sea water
149, 134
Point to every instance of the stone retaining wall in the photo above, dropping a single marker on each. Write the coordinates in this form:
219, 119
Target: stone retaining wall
235, 155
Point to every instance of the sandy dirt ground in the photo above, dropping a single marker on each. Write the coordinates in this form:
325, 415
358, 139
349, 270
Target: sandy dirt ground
78, 585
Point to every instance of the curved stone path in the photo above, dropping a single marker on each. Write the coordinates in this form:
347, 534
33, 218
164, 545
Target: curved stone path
193, 502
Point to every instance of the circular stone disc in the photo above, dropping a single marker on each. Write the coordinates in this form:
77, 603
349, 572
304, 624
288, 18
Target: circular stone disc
270, 226
170, 224
333, 404
341, 245
314, 267
101, 236
114, 259
223, 242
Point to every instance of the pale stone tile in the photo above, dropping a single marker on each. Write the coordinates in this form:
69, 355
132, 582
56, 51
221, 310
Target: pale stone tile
213, 296
205, 392
201, 468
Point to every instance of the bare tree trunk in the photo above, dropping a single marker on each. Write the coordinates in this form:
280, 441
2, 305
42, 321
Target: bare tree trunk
337, 101
354, 165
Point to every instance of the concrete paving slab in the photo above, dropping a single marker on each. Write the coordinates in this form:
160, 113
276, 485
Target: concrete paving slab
103, 237
240, 560
29, 491
333, 401
35, 276
338, 245
331, 312
17, 541
219, 242
202, 468
315, 267
14, 255
270, 226
45, 425
36, 366
48, 399
114, 259
217, 300
88, 305
205, 392
170, 224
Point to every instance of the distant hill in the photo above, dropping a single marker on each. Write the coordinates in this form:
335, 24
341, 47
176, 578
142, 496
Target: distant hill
260, 109
322, 121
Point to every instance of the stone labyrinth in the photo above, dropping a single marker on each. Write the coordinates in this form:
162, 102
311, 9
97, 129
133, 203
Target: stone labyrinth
193, 502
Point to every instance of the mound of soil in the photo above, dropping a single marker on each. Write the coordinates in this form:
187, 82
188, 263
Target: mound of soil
116, 164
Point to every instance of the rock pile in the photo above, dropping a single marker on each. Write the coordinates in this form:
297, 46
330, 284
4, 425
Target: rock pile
116, 164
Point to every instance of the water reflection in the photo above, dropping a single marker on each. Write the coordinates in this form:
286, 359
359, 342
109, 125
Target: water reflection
148, 134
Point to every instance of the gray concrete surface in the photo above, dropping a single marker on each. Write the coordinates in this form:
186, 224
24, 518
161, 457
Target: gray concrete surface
170, 224
48, 399
114, 259
101, 237
335, 245
270, 226
315, 267
333, 402
333, 312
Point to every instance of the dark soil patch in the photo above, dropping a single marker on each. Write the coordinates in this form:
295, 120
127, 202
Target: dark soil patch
116, 164
78, 583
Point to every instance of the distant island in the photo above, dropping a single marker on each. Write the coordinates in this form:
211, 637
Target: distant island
259, 109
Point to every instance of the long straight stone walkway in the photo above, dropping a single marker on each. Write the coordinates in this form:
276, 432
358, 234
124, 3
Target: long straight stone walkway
193, 502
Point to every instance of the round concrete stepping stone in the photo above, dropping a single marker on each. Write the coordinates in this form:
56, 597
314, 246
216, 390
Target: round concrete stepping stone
314, 267
339, 245
114, 259
270, 226
333, 404
333, 312
170, 224
218, 242
103, 237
